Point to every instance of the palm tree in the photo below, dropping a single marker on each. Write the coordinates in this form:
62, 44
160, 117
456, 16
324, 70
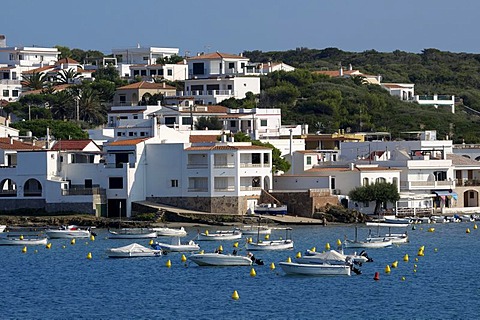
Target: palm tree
34, 81
90, 108
66, 76
63, 106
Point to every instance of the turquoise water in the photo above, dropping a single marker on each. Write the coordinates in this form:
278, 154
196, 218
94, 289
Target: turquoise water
61, 283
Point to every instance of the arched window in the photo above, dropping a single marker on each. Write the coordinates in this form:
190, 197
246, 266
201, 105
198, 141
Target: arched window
32, 188
365, 182
380, 180
8, 188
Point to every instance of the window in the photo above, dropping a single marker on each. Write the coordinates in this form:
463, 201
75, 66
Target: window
366, 204
5, 93
233, 124
130, 134
119, 134
198, 68
380, 180
174, 183
309, 160
169, 72
266, 159
243, 65
11, 56
20, 57
145, 58
135, 116
263, 123
142, 134
440, 175
14, 75
136, 72
153, 72
229, 87
143, 73
160, 72
14, 93
186, 120
123, 98
170, 120
115, 183
231, 65
365, 182
471, 194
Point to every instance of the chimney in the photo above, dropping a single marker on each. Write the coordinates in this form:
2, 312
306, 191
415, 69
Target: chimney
3, 41
352, 166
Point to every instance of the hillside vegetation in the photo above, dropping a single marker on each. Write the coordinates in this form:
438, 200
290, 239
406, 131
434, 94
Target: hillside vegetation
328, 104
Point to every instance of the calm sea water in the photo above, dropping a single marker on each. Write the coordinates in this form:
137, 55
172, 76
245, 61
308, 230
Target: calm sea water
61, 283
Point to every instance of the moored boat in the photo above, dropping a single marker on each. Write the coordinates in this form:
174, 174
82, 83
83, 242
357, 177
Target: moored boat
272, 209
10, 241
170, 232
69, 232
268, 245
314, 269
132, 233
220, 259
332, 257
254, 230
219, 235
133, 250
370, 244
2, 227
177, 246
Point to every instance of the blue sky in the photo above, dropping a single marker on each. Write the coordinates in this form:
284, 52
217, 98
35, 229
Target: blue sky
235, 26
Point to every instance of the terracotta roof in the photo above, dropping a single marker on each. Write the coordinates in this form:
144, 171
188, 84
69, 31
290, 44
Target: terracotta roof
458, 160
37, 70
225, 147
6, 68
216, 55
66, 60
56, 88
147, 85
6, 144
203, 138
71, 145
127, 142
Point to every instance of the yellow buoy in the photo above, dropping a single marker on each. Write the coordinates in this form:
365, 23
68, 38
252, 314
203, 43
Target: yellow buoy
405, 258
206, 232
202, 252
414, 270
339, 242
422, 248
267, 236
436, 250
24, 250
168, 264
394, 264
415, 266
184, 258
48, 246
416, 259
289, 259
220, 248
150, 242
92, 237
475, 227
387, 269
21, 237
403, 278
36, 251
299, 254
235, 295
89, 256
253, 273
431, 229
272, 266
420, 253
72, 241
467, 231
86, 243
250, 240
235, 245
327, 246
64, 246
313, 249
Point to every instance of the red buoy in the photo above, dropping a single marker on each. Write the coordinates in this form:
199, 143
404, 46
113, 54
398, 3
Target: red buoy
377, 276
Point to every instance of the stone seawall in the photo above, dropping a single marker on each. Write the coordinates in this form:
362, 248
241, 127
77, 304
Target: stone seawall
230, 205
304, 203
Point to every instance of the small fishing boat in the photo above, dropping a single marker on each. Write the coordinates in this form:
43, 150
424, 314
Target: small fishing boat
132, 233
177, 246
253, 230
368, 243
332, 257
133, 250
272, 209
21, 241
170, 232
314, 269
71, 231
220, 259
220, 235
270, 245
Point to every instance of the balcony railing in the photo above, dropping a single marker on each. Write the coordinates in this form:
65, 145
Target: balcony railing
249, 188
8, 193
224, 165
467, 183
427, 184
197, 165
81, 191
225, 189
250, 165
197, 190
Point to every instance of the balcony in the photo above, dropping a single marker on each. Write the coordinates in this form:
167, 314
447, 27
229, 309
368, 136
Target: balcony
421, 185
467, 183
250, 188
79, 191
225, 189
197, 165
250, 165
197, 189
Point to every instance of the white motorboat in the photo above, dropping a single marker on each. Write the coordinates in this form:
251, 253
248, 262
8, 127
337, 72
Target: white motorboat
313, 269
170, 232
386, 224
272, 209
220, 235
132, 233
220, 259
395, 237
254, 230
9, 241
133, 250
177, 246
438, 219
268, 245
2, 227
370, 244
332, 257
68, 232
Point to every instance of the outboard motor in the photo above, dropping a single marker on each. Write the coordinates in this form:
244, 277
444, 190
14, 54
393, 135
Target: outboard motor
356, 270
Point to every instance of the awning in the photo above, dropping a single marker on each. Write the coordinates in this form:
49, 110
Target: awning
445, 193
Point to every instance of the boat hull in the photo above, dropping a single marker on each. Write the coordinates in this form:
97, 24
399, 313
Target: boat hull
270, 245
133, 251
67, 234
178, 247
169, 232
220, 260
22, 242
387, 224
130, 235
219, 236
315, 269
367, 244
